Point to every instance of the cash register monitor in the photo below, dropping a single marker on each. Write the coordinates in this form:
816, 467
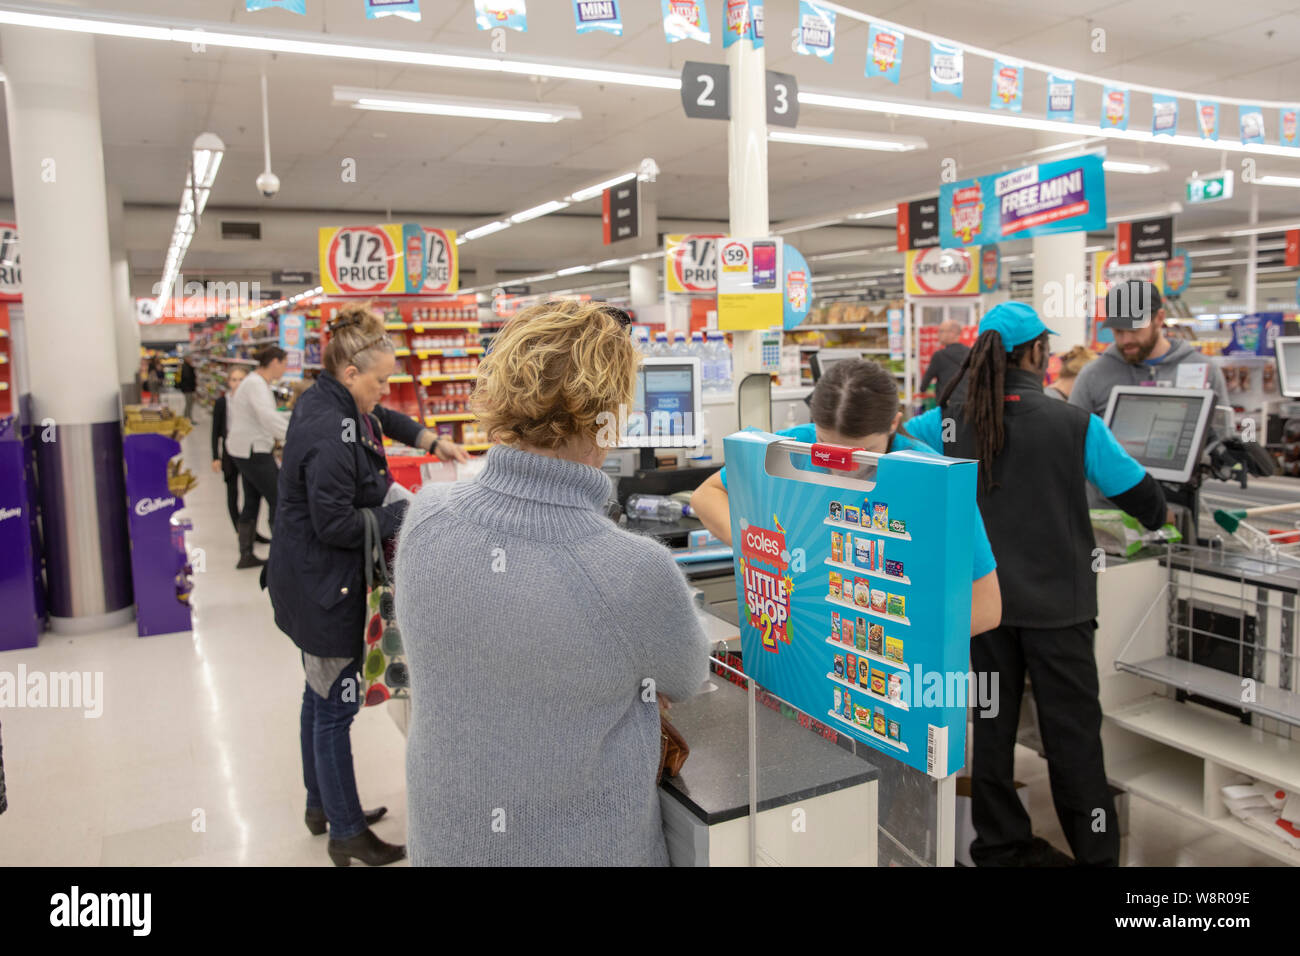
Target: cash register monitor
667, 410
822, 360
1287, 350
1163, 428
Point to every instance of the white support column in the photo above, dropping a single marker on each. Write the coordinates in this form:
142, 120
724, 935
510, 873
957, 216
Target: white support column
57, 158
125, 324
1060, 296
1252, 253
747, 172
643, 283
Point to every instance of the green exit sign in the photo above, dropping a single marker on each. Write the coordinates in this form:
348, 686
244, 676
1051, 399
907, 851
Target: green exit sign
1210, 187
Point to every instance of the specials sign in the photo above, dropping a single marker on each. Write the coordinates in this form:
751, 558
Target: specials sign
388, 259
942, 272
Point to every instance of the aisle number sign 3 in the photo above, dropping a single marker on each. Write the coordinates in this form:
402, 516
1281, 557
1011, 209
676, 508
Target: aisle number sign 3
692, 263
387, 259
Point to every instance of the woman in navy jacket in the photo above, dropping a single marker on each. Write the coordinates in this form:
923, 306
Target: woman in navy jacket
334, 467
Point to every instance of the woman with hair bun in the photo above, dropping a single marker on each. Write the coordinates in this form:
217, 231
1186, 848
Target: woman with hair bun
334, 469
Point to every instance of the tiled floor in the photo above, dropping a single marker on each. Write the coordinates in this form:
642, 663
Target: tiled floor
195, 758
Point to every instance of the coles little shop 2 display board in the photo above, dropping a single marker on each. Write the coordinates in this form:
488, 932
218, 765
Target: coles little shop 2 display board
854, 586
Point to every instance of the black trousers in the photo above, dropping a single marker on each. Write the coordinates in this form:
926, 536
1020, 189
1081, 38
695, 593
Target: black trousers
261, 475
1063, 669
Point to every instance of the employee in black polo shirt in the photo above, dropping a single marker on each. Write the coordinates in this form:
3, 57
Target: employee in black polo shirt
1036, 458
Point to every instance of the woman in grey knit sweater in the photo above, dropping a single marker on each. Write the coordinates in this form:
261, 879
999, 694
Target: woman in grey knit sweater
538, 634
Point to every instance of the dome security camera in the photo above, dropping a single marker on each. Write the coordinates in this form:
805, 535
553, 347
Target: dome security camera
268, 184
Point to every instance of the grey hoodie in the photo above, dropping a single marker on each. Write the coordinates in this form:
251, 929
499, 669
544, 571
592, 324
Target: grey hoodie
1096, 379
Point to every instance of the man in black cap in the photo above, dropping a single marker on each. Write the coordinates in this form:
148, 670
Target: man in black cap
1141, 354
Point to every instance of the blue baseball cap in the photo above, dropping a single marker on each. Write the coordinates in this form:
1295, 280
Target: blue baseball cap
1016, 322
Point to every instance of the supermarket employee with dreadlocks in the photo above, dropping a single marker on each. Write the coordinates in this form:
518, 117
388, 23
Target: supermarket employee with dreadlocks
1036, 457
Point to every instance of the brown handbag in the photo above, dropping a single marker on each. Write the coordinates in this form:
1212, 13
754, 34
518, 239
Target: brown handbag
673, 749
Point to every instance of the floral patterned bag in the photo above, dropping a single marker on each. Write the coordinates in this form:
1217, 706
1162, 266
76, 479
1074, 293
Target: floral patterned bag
383, 663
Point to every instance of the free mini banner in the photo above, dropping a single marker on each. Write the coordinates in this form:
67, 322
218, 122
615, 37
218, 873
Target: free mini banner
750, 280
941, 272
1207, 119
756, 23
1114, 107
816, 31
854, 596
1164, 115
293, 6
884, 53
1068, 195
1008, 91
407, 9
1060, 98
947, 69
492, 14
598, 16
685, 20
1287, 134
1252, 124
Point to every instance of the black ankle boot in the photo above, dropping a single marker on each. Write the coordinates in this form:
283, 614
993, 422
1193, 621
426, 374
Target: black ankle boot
317, 823
367, 848
247, 559
260, 538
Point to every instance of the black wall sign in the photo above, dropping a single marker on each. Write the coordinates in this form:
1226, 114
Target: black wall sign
918, 224
296, 277
782, 99
1146, 240
621, 212
706, 90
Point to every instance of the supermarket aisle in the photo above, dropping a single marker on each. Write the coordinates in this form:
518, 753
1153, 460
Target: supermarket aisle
195, 757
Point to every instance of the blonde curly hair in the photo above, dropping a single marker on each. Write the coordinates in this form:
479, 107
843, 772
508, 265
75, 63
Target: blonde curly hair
553, 370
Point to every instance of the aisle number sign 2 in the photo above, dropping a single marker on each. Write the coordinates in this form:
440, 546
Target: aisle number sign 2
692, 263
387, 259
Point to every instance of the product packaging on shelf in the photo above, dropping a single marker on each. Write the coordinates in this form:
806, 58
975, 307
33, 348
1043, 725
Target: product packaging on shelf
902, 643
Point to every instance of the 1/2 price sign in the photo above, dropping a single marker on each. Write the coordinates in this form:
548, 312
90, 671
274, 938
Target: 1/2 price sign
441, 262
362, 260
388, 259
691, 263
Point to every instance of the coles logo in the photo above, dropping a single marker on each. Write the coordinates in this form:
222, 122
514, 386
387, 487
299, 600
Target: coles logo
968, 211
147, 506
759, 544
942, 271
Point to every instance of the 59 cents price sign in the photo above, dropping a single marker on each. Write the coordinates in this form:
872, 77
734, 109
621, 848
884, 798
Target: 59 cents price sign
691, 263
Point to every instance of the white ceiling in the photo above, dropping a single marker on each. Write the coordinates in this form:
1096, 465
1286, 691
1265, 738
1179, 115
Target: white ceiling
458, 172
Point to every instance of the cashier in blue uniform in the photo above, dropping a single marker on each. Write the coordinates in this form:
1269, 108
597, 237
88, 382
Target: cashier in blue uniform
855, 405
1036, 458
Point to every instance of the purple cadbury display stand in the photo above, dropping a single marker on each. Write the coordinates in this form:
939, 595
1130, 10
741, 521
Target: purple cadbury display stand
159, 561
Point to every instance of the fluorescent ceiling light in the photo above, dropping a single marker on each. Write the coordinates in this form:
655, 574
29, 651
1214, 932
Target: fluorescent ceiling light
542, 210
1142, 167
573, 270
1216, 251
876, 214
1168, 209
487, 230
205, 160
435, 104
592, 191
1293, 181
886, 142
1275, 269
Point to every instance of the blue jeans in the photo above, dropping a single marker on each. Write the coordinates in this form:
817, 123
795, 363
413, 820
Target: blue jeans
327, 753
